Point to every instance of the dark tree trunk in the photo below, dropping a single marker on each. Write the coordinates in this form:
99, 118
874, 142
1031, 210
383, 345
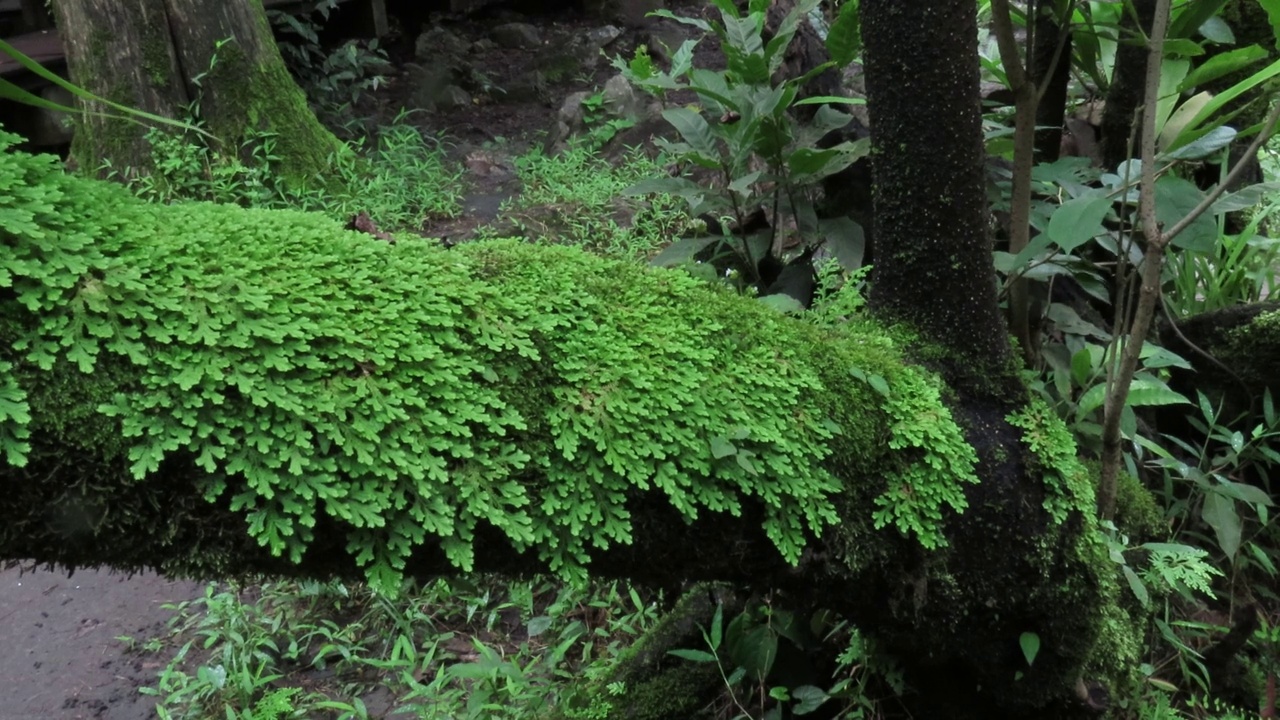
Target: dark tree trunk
1124, 97
162, 55
933, 253
1050, 69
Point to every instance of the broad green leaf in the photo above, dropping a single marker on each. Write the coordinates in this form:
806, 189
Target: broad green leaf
831, 100
1077, 221
693, 128
1082, 366
807, 697
844, 38
1191, 16
757, 650
1273, 14
1069, 321
1136, 585
1211, 108
722, 448
1153, 357
1206, 145
538, 625
682, 59
1182, 48
1220, 514
846, 240
717, 627
1175, 198
1181, 121
743, 35
1244, 198
1147, 391
1143, 391
682, 251
782, 302
1243, 492
1216, 30
1030, 644
1222, 64
742, 185
698, 656
694, 22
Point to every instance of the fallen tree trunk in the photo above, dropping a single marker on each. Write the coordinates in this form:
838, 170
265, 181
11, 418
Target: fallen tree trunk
1244, 340
215, 391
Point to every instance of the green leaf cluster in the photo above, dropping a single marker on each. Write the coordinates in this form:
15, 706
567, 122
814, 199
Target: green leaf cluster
744, 128
942, 461
1053, 454
408, 394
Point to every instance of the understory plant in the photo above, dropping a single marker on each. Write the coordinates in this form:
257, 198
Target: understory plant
747, 143
470, 649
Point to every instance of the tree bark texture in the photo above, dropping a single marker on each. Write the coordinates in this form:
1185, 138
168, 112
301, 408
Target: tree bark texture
1119, 130
933, 257
161, 56
1051, 70
1245, 339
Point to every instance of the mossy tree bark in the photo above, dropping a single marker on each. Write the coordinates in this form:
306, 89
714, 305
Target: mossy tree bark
933, 257
167, 56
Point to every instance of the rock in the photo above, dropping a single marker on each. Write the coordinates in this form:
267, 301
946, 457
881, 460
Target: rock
663, 40
516, 35
431, 88
439, 43
571, 113
529, 87
621, 99
581, 54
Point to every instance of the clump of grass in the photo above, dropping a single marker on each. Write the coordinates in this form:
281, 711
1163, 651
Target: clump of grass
400, 178
576, 198
463, 648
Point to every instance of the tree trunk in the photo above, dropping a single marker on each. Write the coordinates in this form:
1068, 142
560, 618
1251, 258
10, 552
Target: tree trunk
1119, 132
933, 256
1050, 69
175, 57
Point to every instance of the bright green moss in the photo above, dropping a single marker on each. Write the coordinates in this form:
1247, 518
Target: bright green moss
411, 393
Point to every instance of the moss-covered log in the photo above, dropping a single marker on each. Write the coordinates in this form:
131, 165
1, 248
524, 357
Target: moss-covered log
172, 57
1244, 342
211, 390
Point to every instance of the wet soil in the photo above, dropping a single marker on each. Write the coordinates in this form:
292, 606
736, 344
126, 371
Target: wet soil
59, 656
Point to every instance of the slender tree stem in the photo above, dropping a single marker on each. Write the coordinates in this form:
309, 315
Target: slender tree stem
1153, 260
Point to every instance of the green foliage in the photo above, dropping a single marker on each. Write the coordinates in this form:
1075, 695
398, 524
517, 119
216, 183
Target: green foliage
918, 492
409, 393
601, 127
399, 178
469, 649
745, 651
574, 198
1053, 452
335, 81
745, 131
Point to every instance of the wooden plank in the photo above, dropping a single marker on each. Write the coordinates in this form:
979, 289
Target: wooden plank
45, 47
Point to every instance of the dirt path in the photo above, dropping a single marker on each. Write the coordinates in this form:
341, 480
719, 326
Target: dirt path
59, 659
